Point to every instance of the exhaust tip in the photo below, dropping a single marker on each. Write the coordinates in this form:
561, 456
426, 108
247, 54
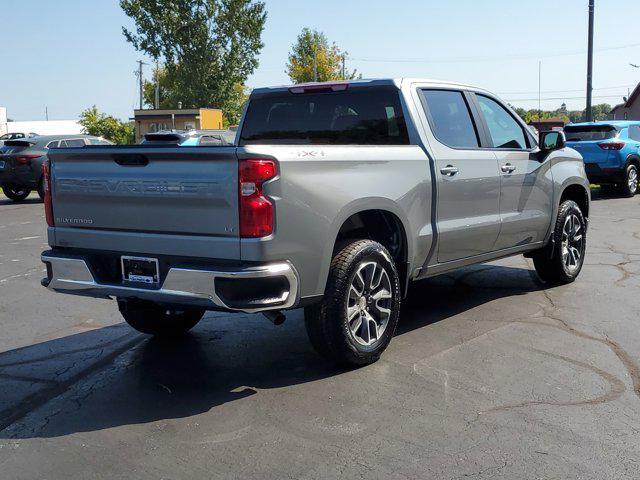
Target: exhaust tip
275, 316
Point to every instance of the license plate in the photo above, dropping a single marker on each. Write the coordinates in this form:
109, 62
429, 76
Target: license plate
140, 270
2, 164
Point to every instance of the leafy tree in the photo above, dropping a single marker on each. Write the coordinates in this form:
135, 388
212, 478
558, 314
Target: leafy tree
106, 126
601, 111
170, 96
328, 59
208, 47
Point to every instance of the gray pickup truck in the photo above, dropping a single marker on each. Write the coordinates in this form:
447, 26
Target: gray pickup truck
333, 198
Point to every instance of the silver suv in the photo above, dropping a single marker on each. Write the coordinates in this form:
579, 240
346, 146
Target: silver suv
333, 198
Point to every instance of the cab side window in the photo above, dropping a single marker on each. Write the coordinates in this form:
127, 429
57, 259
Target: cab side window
504, 130
634, 132
72, 142
450, 118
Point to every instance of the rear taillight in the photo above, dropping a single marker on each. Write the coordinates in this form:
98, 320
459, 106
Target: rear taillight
611, 145
256, 211
46, 179
25, 159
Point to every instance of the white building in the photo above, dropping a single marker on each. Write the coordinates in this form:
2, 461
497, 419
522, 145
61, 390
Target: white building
3, 120
51, 127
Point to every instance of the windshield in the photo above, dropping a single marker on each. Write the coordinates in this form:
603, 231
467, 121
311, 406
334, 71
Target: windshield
590, 133
365, 116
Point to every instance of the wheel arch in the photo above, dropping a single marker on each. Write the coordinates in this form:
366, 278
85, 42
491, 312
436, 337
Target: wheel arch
579, 194
380, 220
633, 159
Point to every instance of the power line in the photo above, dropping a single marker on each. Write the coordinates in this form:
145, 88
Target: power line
558, 98
487, 59
565, 91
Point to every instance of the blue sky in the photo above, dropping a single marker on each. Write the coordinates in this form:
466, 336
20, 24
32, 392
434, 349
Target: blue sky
70, 54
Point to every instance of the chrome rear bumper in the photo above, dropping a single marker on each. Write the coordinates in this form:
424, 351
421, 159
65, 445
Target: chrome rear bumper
181, 286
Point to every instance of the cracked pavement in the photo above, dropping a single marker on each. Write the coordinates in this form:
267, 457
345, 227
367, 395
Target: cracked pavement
490, 375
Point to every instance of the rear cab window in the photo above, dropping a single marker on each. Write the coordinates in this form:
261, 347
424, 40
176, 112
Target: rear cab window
589, 133
354, 116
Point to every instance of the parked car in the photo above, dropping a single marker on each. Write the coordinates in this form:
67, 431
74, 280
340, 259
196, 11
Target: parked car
191, 138
21, 161
15, 136
611, 152
334, 197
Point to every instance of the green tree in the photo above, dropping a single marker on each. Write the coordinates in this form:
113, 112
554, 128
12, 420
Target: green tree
208, 47
600, 112
102, 125
328, 59
170, 96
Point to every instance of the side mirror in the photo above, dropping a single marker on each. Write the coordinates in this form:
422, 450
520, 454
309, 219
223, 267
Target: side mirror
553, 140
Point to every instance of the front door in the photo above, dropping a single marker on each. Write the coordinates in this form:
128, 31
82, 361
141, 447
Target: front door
467, 177
526, 186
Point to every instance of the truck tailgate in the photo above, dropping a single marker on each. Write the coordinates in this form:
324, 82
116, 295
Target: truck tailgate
163, 191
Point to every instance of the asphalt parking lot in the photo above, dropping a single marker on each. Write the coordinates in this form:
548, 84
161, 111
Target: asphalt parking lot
490, 376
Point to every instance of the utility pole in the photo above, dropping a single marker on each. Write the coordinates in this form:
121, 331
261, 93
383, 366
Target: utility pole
315, 63
140, 80
46, 113
539, 90
344, 75
590, 62
157, 96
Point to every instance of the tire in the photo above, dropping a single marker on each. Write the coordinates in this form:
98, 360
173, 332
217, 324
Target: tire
373, 304
562, 261
17, 194
630, 185
40, 189
153, 319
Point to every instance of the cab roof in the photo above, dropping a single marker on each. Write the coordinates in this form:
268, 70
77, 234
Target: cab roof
363, 82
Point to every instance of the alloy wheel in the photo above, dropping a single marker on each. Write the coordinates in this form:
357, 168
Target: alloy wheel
572, 243
632, 180
369, 303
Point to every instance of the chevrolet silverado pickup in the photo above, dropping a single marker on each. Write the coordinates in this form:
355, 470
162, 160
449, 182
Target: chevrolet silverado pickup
333, 198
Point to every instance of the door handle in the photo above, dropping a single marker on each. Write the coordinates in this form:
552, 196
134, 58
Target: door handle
508, 168
449, 170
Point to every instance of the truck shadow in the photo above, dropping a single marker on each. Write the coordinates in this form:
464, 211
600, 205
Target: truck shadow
112, 376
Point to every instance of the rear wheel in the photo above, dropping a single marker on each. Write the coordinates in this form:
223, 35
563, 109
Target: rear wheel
629, 187
358, 315
17, 194
154, 319
564, 262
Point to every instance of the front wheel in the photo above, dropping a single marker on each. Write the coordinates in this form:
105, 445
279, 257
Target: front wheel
154, 319
17, 194
358, 315
562, 261
629, 187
